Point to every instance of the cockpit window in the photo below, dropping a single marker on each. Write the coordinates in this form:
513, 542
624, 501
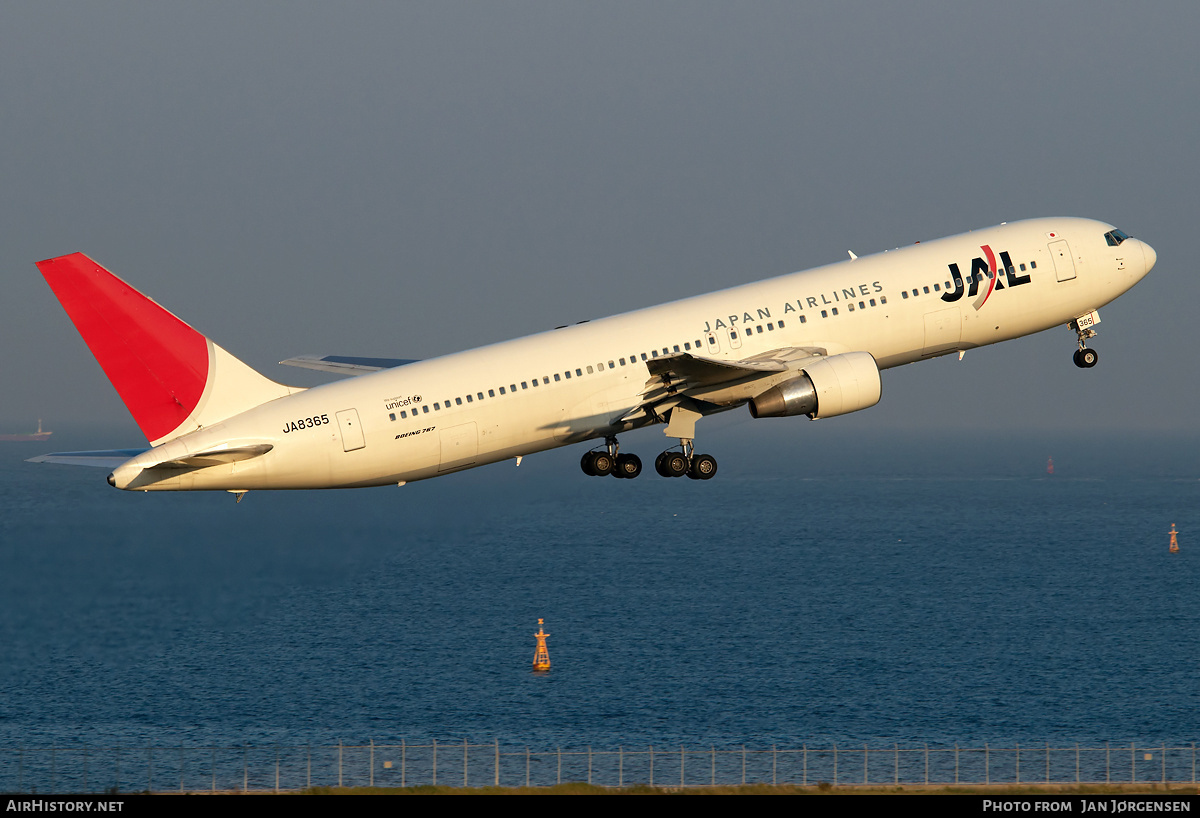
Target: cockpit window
1115, 237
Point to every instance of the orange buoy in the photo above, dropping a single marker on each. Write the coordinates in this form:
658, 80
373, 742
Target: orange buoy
541, 657
1174, 540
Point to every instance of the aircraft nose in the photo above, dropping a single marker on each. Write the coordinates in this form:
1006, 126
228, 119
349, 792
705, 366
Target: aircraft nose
1150, 255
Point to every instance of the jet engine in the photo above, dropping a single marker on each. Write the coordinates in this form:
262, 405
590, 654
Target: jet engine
826, 387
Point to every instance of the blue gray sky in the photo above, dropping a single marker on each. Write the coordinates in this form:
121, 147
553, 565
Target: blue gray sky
411, 179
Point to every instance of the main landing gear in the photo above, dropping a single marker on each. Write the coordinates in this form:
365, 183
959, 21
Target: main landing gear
601, 463
686, 461
606, 461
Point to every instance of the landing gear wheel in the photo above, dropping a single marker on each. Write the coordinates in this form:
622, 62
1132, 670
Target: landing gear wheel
1086, 358
628, 466
674, 464
704, 467
585, 463
658, 465
602, 464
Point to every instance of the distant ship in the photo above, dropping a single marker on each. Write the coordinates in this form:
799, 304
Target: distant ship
38, 435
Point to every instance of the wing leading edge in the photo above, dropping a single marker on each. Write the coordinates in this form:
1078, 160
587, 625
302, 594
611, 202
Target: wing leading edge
101, 459
708, 385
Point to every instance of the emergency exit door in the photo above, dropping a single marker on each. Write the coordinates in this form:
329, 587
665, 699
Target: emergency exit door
351, 429
1064, 265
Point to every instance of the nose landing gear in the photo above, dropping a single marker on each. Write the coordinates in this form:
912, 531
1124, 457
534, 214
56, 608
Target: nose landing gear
1085, 358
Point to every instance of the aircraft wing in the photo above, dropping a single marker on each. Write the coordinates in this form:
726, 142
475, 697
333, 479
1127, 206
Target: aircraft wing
346, 364
105, 459
680, 376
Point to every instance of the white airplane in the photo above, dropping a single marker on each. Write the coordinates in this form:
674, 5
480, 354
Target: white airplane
810, 343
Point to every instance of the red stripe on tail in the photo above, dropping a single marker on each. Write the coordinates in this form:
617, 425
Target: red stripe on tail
157, 363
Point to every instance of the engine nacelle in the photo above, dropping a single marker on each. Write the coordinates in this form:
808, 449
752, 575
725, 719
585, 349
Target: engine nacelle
828, 386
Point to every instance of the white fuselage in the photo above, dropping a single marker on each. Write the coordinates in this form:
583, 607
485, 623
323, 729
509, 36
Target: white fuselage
574, 383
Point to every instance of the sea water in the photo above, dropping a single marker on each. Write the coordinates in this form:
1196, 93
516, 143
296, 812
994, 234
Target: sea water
877, 596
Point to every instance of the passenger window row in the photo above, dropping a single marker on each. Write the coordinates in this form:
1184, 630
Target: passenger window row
568, 374
862, 305
759, 328
937, 287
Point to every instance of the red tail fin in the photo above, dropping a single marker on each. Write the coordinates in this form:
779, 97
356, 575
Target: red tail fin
157, 363
164, 371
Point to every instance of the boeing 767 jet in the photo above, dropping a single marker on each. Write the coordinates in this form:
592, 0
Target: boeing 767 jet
810, 343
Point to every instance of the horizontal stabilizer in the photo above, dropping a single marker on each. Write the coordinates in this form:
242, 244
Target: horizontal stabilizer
216, 456
104, 459
346, 364
113, 458
172, 460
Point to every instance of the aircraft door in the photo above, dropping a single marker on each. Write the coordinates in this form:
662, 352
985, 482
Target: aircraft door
460, 447
710, 339
943, 331
735, 338
1064, 265
351, 429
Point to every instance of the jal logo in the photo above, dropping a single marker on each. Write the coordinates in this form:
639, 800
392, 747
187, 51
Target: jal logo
984, 270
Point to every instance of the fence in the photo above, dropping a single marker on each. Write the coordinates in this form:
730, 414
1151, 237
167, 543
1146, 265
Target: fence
192, 769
